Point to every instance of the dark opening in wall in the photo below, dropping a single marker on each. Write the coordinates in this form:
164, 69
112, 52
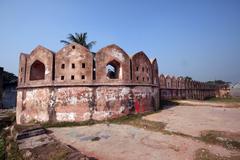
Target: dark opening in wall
137, 78
112, 69
94, 69
73, 65
143, 69
72, 77
83, 76
62, 77
21, 69
53, 67
63, 66
73, 47
83, 65
143, 79
131, 69
137, 69
148, 78
37, 71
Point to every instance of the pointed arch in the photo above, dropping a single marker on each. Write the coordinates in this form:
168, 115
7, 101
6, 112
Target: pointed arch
142, 71
115, 57
155, 72
37, 71
113, 69
162, 80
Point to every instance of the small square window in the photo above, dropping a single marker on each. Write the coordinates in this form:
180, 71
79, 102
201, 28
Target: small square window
83, 65
137, 68
62, 77
83, 76
72, 77
73, 47
137, 78
63, 66
73, 65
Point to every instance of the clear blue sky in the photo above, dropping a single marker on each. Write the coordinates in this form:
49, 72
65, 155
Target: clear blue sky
197, 38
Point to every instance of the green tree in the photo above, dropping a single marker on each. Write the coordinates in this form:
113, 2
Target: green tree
80, 38
219, 82
188, 78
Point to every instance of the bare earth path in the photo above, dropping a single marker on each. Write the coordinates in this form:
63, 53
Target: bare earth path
108, 142
209, 103
191, 120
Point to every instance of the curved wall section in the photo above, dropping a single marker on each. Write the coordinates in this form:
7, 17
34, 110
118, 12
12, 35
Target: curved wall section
76, 85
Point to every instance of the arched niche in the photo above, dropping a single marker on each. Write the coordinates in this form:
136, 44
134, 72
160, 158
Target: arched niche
37, 71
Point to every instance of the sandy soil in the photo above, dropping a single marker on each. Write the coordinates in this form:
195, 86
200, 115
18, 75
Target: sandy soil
108, 142
191, 120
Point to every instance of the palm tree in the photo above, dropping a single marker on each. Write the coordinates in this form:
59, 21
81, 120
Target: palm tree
80, 39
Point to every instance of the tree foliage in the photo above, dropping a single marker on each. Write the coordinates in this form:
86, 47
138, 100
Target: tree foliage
218, 82
80, 38
188, 78
9, 77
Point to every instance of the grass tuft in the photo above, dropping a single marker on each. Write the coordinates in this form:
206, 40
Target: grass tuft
69, 124
227, 140
204, 154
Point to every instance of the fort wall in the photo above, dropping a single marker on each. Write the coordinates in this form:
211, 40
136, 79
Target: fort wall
74, 84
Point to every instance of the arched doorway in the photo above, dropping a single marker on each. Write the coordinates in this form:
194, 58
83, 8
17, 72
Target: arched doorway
113, 69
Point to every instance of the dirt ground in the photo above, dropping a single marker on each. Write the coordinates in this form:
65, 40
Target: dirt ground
118, 141
191, 120
209, 103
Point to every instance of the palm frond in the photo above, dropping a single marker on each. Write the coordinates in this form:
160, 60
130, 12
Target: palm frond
65, 42
90, 44
72, 38
80, 38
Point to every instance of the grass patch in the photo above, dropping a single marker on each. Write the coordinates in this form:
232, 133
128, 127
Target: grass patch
51, 151
133, 120
7, 145
69, 124
12, 150
2, 148
204, 154
137, 121
227, 140
225, 100
164, 103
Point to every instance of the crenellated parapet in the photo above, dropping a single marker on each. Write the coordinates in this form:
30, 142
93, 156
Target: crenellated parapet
76, 65
184, 88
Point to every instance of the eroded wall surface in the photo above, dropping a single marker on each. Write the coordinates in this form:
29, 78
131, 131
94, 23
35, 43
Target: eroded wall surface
83, 103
